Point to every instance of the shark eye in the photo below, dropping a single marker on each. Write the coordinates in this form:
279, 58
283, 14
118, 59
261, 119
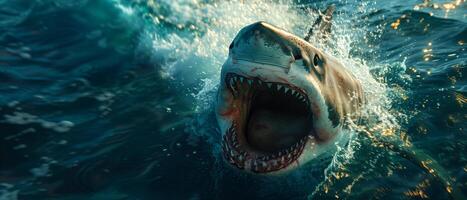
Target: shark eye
317, 61
318, 67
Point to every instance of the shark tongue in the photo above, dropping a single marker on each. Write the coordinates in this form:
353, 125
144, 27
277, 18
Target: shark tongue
270, 130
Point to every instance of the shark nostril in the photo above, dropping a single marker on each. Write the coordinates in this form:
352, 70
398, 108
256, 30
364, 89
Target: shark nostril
231, 45
297, 56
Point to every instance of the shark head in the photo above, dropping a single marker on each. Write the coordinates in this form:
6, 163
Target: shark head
281, 101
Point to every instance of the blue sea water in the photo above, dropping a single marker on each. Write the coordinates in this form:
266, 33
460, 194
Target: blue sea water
112, 99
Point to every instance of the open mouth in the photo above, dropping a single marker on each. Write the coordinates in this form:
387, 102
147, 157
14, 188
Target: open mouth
273, 124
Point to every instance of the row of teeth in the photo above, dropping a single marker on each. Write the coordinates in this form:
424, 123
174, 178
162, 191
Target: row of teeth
276, 161
288, 91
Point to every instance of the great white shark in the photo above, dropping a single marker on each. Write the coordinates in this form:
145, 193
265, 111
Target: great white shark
283, 102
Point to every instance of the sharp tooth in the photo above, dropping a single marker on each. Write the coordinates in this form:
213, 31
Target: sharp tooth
279, 87
286, 89
249, 81
241, 79
269, 85
293, 92
234, 79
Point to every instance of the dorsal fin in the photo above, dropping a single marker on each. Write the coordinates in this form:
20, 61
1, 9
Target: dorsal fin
322, 24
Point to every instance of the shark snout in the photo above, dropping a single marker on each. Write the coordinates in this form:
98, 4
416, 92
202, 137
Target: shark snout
265, 44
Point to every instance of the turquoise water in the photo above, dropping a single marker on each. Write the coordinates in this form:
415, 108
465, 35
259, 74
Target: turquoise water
112, 99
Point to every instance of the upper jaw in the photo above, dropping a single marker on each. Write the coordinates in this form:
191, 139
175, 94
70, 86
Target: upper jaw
232, 80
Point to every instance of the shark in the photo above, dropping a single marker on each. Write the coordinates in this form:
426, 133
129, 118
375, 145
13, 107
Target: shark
282, 101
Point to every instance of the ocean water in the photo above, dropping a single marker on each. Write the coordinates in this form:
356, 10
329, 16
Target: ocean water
112, 99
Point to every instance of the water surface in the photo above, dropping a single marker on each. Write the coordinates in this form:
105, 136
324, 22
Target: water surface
112, 99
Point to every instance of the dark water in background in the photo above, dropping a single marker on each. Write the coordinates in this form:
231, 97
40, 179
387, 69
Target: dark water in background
111, 99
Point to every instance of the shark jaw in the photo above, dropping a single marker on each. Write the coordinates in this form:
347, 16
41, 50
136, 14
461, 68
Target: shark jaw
265, 135
268, 118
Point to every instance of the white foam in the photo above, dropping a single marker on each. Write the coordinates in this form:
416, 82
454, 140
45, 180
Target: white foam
23, 118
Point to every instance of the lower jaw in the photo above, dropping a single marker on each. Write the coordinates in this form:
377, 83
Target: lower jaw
239, 155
